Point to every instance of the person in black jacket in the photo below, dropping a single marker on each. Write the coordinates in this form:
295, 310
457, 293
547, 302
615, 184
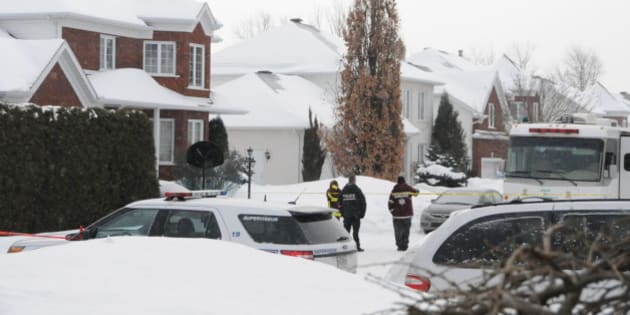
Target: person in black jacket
353, 208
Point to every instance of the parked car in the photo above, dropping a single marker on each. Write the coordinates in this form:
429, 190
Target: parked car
475, 240
455, 199
303, 231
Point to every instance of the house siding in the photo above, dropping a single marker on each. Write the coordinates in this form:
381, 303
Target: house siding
129, 54
56, 90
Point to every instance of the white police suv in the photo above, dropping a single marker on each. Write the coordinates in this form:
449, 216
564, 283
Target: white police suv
302, 231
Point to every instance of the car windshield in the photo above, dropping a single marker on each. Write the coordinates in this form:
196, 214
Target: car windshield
321, 228
459, 197
571, 159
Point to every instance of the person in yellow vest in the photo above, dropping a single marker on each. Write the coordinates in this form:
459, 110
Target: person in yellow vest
332, 195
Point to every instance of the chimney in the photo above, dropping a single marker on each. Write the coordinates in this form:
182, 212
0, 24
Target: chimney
296, 20
460, 53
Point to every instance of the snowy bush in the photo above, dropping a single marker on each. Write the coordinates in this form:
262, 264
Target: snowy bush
435, 174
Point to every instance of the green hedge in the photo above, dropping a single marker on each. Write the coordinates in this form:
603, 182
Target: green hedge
63, 168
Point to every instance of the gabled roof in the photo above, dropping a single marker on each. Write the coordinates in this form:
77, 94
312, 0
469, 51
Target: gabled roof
135, 88
439, 61
277, 101
464, 81
25, 64
273, 101
140, 15
512, 78
293, 48
605, 103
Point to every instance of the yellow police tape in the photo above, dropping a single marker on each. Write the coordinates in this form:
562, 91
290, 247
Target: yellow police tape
566, 195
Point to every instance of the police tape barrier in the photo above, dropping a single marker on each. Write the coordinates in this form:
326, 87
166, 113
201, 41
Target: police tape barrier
7, 233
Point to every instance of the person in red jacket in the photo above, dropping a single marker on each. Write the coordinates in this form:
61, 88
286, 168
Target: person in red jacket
401, 208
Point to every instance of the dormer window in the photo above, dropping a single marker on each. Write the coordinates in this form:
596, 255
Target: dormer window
159, 58
196, 66
107, 53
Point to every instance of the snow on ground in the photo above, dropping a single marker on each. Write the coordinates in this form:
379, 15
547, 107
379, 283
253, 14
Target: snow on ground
141, 275
377, 230
197, 276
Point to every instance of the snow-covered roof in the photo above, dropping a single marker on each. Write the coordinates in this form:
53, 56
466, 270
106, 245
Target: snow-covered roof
290, 48
135, 88
278, 101
274, 101
605, 103
23, 62
471, 88
439, 61
133, 13
512, 78
293, 48
464, 81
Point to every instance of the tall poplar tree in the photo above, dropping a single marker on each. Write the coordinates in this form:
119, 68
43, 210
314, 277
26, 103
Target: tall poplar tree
368, 137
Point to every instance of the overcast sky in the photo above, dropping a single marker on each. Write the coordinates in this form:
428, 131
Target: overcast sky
482, 27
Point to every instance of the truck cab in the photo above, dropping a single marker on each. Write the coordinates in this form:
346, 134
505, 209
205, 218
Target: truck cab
578, 157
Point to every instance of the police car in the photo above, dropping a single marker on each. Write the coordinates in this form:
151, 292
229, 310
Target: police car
308, 232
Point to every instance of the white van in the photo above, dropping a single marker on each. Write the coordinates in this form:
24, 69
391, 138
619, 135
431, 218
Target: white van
475, 240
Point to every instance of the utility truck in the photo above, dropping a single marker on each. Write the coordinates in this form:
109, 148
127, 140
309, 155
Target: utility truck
578, 157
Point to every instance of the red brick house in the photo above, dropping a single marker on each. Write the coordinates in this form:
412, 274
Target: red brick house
168, 44
476, 93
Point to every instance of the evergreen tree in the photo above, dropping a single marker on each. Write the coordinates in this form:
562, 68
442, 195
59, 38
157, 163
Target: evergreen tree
313, 154
368, 137
218, 135
448, 146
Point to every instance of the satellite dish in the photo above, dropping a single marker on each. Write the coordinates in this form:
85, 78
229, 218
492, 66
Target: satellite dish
204, 154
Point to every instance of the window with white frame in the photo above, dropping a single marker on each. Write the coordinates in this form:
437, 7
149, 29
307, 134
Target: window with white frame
159, 58
195, 131
535, 109
421, 153
406, 102
167, 140
490, 115
196, 66
107, 53
420, 105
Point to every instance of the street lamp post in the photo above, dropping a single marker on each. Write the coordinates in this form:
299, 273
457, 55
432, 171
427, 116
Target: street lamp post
249, 172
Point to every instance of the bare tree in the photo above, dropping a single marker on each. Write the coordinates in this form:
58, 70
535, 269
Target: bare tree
332, 18
480, 56
582, 68
552, 95
253, 25
585, 273
522, 54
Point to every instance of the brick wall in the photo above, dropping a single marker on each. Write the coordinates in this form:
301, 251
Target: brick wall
181, 135
484, 148
489, 147
499, 125
129, 54
56, 90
